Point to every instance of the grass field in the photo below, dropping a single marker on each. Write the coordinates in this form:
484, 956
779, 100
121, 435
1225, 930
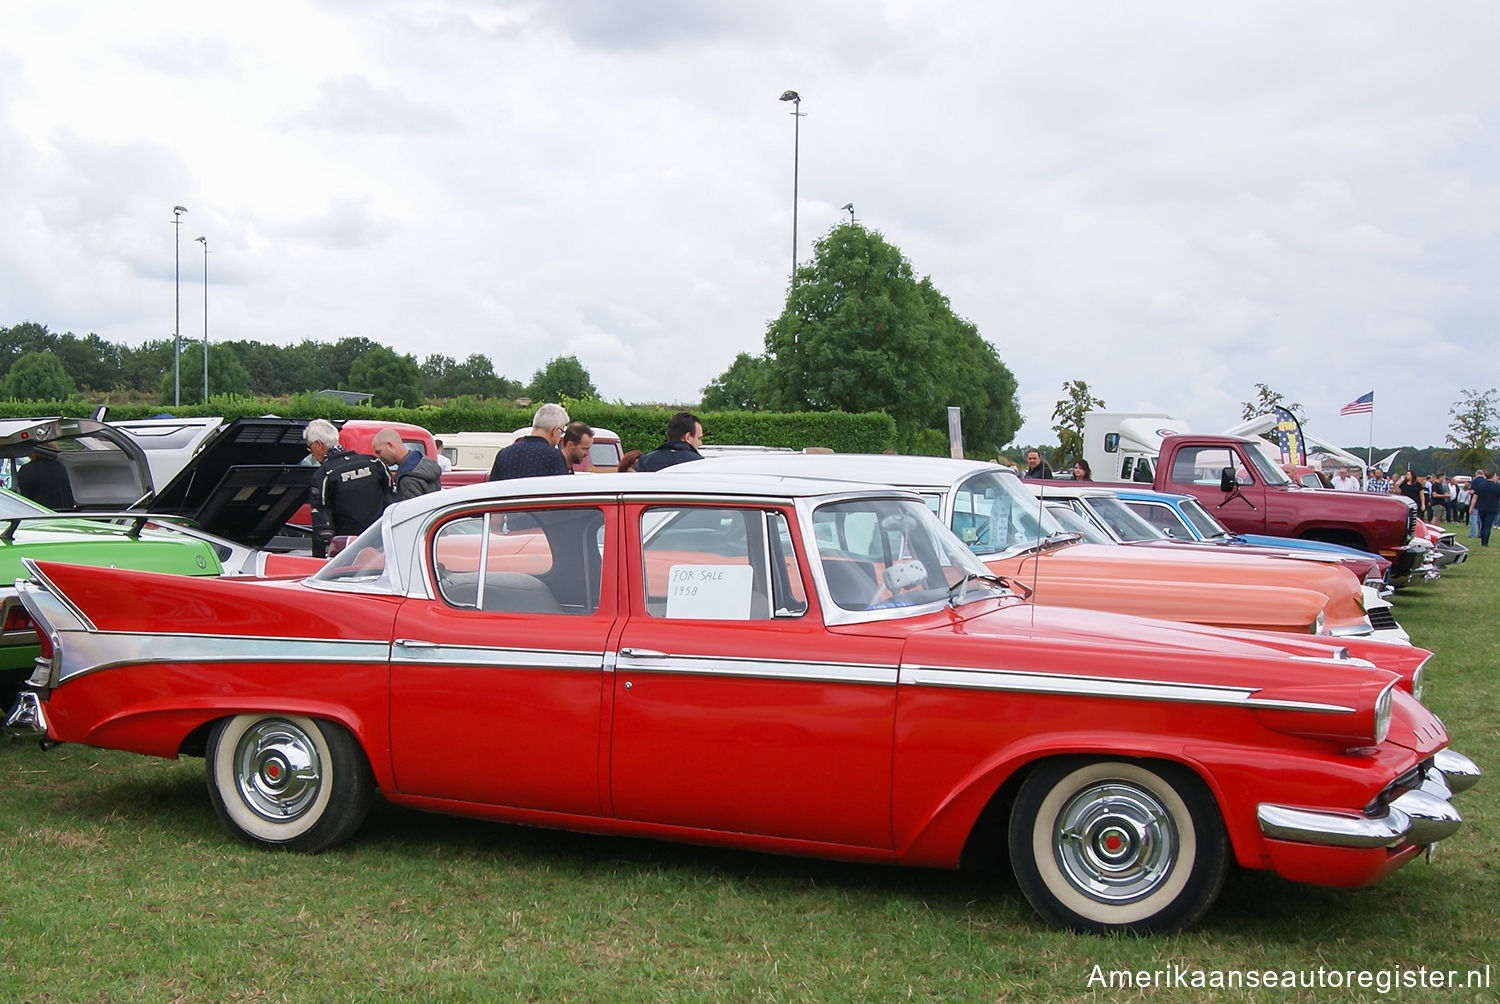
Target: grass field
118, 884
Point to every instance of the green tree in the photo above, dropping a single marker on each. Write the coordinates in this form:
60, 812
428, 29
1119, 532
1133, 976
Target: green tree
742, 387
1265, 400
861, 333
225, 374
1473, 434
37, 376
1069, 413
393, 379
560, 378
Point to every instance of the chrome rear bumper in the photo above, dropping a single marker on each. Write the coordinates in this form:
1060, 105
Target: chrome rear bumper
27, 720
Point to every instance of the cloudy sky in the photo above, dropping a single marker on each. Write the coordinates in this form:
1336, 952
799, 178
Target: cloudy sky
1171, 201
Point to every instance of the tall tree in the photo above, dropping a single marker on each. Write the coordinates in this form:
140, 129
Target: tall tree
861, 333
392, 379
560, 378
225, 374
1265, 400
37, 376
1473, 434
742, 387
1076, 403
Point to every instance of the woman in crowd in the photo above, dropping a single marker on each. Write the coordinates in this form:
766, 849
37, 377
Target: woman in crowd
628, 461
1082, 471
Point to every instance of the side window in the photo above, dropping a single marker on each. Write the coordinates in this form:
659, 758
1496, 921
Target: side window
537, 561
708, 563
1159, 516
1201, 465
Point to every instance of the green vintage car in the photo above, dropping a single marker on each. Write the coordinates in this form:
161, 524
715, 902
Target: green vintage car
29, 530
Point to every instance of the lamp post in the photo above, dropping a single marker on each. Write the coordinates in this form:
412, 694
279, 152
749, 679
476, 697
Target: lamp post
204, 242
177, 212
797, 113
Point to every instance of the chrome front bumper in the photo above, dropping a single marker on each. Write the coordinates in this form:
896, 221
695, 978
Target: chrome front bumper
1419, 813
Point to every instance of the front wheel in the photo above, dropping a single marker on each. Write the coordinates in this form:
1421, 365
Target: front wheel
288, 782
1109, 845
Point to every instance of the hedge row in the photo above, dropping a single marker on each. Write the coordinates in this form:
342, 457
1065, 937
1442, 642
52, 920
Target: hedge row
639, 428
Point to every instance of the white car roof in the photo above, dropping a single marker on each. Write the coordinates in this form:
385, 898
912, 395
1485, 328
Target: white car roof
877, 468
675, 482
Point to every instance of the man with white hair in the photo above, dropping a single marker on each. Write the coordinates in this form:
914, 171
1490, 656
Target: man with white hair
349, 490
536, 455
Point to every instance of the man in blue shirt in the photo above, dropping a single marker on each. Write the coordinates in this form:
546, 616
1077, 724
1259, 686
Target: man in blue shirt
536, 455
684, 436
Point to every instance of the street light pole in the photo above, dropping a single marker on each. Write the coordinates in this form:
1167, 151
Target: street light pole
204, 242
797, 114
177, 212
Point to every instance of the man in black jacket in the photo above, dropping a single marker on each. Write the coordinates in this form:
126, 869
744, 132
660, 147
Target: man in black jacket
349, 490
684, 436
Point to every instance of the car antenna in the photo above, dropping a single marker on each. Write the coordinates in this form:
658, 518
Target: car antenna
1036, 560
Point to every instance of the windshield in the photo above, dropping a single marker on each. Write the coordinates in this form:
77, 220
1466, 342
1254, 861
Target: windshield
879, 554
363, 561
993, 514
1072, 522
1269, 472
1210, 528
1121, 521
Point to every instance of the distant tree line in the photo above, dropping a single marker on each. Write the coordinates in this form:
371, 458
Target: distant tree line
40, 365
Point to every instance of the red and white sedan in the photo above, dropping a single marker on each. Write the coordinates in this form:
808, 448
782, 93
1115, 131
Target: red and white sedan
782, 665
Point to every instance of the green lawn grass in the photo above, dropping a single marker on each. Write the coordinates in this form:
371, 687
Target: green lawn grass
118, 884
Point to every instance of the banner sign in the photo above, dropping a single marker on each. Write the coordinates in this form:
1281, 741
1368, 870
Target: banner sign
1289, 437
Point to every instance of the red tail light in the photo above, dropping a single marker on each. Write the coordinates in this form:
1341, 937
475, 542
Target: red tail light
17, 619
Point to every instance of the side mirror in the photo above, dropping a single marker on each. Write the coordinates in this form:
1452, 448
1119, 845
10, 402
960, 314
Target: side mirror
1227, 482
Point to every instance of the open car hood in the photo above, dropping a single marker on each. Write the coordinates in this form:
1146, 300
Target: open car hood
244, 483
106, 469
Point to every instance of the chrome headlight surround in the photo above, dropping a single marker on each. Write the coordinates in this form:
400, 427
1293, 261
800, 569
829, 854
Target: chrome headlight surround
1419, 681
1384, 705
1318, 621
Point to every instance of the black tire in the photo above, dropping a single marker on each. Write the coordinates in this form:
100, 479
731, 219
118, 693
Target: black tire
1117, 845
288, 782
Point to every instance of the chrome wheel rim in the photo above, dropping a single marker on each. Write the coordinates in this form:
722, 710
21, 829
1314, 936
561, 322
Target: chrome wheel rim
1115, 842
277, 770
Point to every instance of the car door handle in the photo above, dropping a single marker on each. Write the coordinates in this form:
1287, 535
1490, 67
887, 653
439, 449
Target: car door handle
642, 653
415, 643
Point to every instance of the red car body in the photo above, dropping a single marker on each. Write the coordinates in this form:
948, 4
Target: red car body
798, 667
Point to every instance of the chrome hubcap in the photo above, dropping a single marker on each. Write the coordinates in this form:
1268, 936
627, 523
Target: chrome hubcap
278, 771
1115, 842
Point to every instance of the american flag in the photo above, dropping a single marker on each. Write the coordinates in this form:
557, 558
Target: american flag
1360, 405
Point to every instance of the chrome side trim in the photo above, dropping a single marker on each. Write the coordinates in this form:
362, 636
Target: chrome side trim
35, 574
776, 669
89, 651
433, 654
1332, 829
1098, 686
1460, 772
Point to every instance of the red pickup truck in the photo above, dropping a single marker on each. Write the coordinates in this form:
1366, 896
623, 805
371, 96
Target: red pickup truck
1249, 493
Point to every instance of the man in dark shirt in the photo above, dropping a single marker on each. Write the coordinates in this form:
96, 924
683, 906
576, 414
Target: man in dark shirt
684, 436
1485, 493
44, 480
349, 490
577, 440
1036, 467
536, 455
412, 474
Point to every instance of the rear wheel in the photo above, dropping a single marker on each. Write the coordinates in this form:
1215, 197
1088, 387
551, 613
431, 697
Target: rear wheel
1109, 845
287, 781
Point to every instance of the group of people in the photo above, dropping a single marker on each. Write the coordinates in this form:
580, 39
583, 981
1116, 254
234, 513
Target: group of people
1436, 494
350, 490
1038, 469
556, 446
